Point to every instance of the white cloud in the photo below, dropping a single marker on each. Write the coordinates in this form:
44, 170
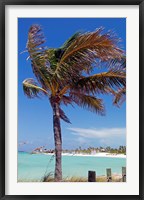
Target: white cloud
105, 133
81, 140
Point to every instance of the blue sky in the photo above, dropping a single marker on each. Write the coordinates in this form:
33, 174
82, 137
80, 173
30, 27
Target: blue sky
35, 126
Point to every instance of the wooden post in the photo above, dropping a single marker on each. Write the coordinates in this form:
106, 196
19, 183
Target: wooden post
91, 176
123, 174
109, 175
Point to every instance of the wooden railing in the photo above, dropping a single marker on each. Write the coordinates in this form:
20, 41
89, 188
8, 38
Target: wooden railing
92, 175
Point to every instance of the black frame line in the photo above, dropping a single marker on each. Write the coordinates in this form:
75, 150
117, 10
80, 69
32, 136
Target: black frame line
3, 3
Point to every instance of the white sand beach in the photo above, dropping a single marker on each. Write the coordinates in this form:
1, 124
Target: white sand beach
101, 154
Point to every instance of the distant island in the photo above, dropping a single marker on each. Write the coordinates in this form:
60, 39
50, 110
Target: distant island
99, 151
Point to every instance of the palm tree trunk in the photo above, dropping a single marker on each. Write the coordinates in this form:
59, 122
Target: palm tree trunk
58, 142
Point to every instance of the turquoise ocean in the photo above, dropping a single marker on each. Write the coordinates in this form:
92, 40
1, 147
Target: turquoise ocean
32, 167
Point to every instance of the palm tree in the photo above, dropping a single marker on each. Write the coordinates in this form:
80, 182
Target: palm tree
65, 75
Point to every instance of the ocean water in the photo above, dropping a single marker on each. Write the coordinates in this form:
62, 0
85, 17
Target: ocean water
32, 167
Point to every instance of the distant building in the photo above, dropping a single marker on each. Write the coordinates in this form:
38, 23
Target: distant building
38, 150
103, 150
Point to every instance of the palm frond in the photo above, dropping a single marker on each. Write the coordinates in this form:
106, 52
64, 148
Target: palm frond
42, 74
99, 45
89, 102
70, 40
66, 100
98, 83
120, 96
85, 49
117, 64
58, 53
52, 57
31, 89
63, 116
41, 65
35, 38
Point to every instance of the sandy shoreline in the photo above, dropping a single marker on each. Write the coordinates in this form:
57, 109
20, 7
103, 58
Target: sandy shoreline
104, 155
